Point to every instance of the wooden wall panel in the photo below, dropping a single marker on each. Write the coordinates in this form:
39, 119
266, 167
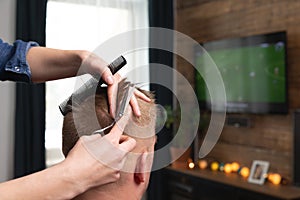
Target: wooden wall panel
271, 136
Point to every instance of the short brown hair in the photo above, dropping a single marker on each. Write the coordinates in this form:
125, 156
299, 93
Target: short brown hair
71, 133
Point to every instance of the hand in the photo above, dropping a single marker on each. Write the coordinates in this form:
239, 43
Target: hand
96, 160
112, 92
95, 65
93, 161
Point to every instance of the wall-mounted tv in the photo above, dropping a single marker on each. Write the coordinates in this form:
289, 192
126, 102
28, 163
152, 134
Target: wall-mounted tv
254, 72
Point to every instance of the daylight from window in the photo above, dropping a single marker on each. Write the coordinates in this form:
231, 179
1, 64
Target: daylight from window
75, 26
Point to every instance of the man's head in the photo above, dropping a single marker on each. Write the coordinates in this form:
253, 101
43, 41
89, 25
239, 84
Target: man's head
135, 174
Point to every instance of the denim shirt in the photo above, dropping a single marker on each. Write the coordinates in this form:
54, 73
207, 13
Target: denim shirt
13, 64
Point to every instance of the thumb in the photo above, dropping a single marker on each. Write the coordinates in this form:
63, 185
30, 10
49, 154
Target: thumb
127, 144
108, 77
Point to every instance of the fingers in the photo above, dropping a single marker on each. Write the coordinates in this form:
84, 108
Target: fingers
112, 94
106, 151
127, 144
123, 138
141, 95
135, 106
118, 77
118, 129
115, 134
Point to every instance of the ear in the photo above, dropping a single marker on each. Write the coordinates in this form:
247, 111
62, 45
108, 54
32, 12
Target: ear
140, 169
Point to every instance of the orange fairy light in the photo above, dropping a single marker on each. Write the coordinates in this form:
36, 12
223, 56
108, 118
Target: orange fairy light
235, 166
274, 178
214, 166
244, 172
202, 164
227, 168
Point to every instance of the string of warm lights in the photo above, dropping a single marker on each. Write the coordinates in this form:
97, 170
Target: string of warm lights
234, 167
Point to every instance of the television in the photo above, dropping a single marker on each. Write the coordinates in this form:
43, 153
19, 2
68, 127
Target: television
254, 72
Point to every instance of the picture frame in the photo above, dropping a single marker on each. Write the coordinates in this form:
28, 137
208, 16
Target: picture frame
258, 172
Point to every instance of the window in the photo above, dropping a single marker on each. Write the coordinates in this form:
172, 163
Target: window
84, 24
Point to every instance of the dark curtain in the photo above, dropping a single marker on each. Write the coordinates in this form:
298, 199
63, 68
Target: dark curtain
30, 98
160, 15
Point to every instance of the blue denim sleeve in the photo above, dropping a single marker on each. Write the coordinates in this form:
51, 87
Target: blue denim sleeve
13, 63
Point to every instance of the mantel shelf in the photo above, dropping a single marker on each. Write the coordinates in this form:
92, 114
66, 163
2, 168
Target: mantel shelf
233, 179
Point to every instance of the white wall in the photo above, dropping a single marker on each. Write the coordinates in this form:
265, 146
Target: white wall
7, 95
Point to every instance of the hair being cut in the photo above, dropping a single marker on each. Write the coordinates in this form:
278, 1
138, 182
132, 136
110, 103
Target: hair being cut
98, 104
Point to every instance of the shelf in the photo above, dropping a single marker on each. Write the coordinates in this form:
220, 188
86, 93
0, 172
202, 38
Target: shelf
233, 179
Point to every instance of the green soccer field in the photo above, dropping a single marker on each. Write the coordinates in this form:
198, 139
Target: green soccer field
255, 74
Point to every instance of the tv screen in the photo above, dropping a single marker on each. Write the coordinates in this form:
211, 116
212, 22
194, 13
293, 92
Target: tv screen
254, 72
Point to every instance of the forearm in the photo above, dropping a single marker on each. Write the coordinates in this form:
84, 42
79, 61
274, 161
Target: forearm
50, 64
52, 183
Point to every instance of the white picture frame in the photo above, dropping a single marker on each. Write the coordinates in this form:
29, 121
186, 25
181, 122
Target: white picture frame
259, 170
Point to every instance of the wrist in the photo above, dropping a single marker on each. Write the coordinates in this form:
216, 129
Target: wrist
72, 180
82, 55
83, 59
78, 57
